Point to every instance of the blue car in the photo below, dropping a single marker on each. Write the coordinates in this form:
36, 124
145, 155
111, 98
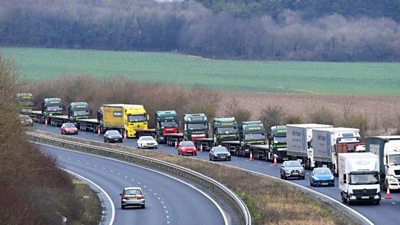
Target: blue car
322, 176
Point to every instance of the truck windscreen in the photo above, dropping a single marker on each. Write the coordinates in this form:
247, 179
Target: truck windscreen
197, 126
227, 130
394, 159
54, 108
361, 179
137, 118
169, 124
248, 137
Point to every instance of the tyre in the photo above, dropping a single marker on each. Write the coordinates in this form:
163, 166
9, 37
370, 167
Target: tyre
105, 141
229, 159
344, 200
143, 206
302, 177
209, 158
122, 207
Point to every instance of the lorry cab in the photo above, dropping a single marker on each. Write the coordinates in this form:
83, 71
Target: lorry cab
387, 148
252, 132
195, 126
166, 122
52, 106
79, 110
359, 177
25, 101
225, 129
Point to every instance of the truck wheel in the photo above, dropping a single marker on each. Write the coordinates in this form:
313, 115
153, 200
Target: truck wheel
344, 200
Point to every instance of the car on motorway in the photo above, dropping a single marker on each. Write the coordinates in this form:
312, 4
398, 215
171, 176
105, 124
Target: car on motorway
112, 136
68, 128
219, 153
26, 120
186, 148
321, 176
132, 196
147, 142
292, 168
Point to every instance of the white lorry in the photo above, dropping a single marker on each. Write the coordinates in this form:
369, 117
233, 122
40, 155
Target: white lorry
299, 137
387, 148
359, 177
328, 142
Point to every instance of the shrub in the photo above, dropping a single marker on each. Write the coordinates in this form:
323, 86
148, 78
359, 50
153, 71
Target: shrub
272, 116
323, 116
233, 108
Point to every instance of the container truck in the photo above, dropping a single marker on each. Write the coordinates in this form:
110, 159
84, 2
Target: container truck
299, 137
387, 148
225, 132
126, 118
359, 177
328, 142
25, 101
165, 122
195, 126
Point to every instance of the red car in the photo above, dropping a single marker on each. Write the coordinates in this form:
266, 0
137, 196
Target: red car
69, 128
187, 148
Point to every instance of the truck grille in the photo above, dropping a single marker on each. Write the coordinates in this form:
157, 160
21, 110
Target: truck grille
397, 172
365, 192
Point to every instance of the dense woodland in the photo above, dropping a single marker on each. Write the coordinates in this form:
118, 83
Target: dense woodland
331, 30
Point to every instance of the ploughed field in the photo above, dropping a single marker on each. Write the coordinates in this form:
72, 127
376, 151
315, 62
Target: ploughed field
382, 79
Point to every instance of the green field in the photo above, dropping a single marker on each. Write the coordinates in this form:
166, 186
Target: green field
259, 76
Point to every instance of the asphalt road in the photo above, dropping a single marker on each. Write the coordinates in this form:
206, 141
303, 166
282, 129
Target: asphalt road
385, 213
168, 201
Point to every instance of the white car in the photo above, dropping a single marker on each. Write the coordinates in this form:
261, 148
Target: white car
147, 142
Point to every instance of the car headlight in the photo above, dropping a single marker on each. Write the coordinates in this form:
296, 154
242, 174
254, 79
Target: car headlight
315, 178
229, 154
352, 197
376, 197
332, 177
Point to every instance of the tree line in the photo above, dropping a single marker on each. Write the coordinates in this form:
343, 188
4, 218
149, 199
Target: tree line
200, 28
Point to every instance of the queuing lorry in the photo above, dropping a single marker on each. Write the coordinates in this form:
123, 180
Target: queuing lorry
225, 132
165, 123
327, 143
359, 177
127, 118
25, 101
49, 107
76, 111
195, 126
387, 148
299, 137
253, 139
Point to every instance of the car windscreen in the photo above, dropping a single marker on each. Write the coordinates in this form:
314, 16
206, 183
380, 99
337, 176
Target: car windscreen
220, 150
324, 171
133, 192
187, 144
113, 132
147, 138
69, 125
293, 164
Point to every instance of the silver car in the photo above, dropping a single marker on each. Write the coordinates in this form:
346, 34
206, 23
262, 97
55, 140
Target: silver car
292, 168
132, 196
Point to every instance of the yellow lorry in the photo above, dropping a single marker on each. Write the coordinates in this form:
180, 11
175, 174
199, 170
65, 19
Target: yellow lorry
126, 118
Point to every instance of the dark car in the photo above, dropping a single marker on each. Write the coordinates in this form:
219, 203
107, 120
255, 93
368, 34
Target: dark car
219, 153
292, 168
322, 176
69, 128
113, 136
187, 148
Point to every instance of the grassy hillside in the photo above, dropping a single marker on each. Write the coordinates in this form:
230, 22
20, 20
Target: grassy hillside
259, 76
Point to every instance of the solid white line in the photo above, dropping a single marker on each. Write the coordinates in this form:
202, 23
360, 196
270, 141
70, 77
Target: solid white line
101, 189
155, 171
